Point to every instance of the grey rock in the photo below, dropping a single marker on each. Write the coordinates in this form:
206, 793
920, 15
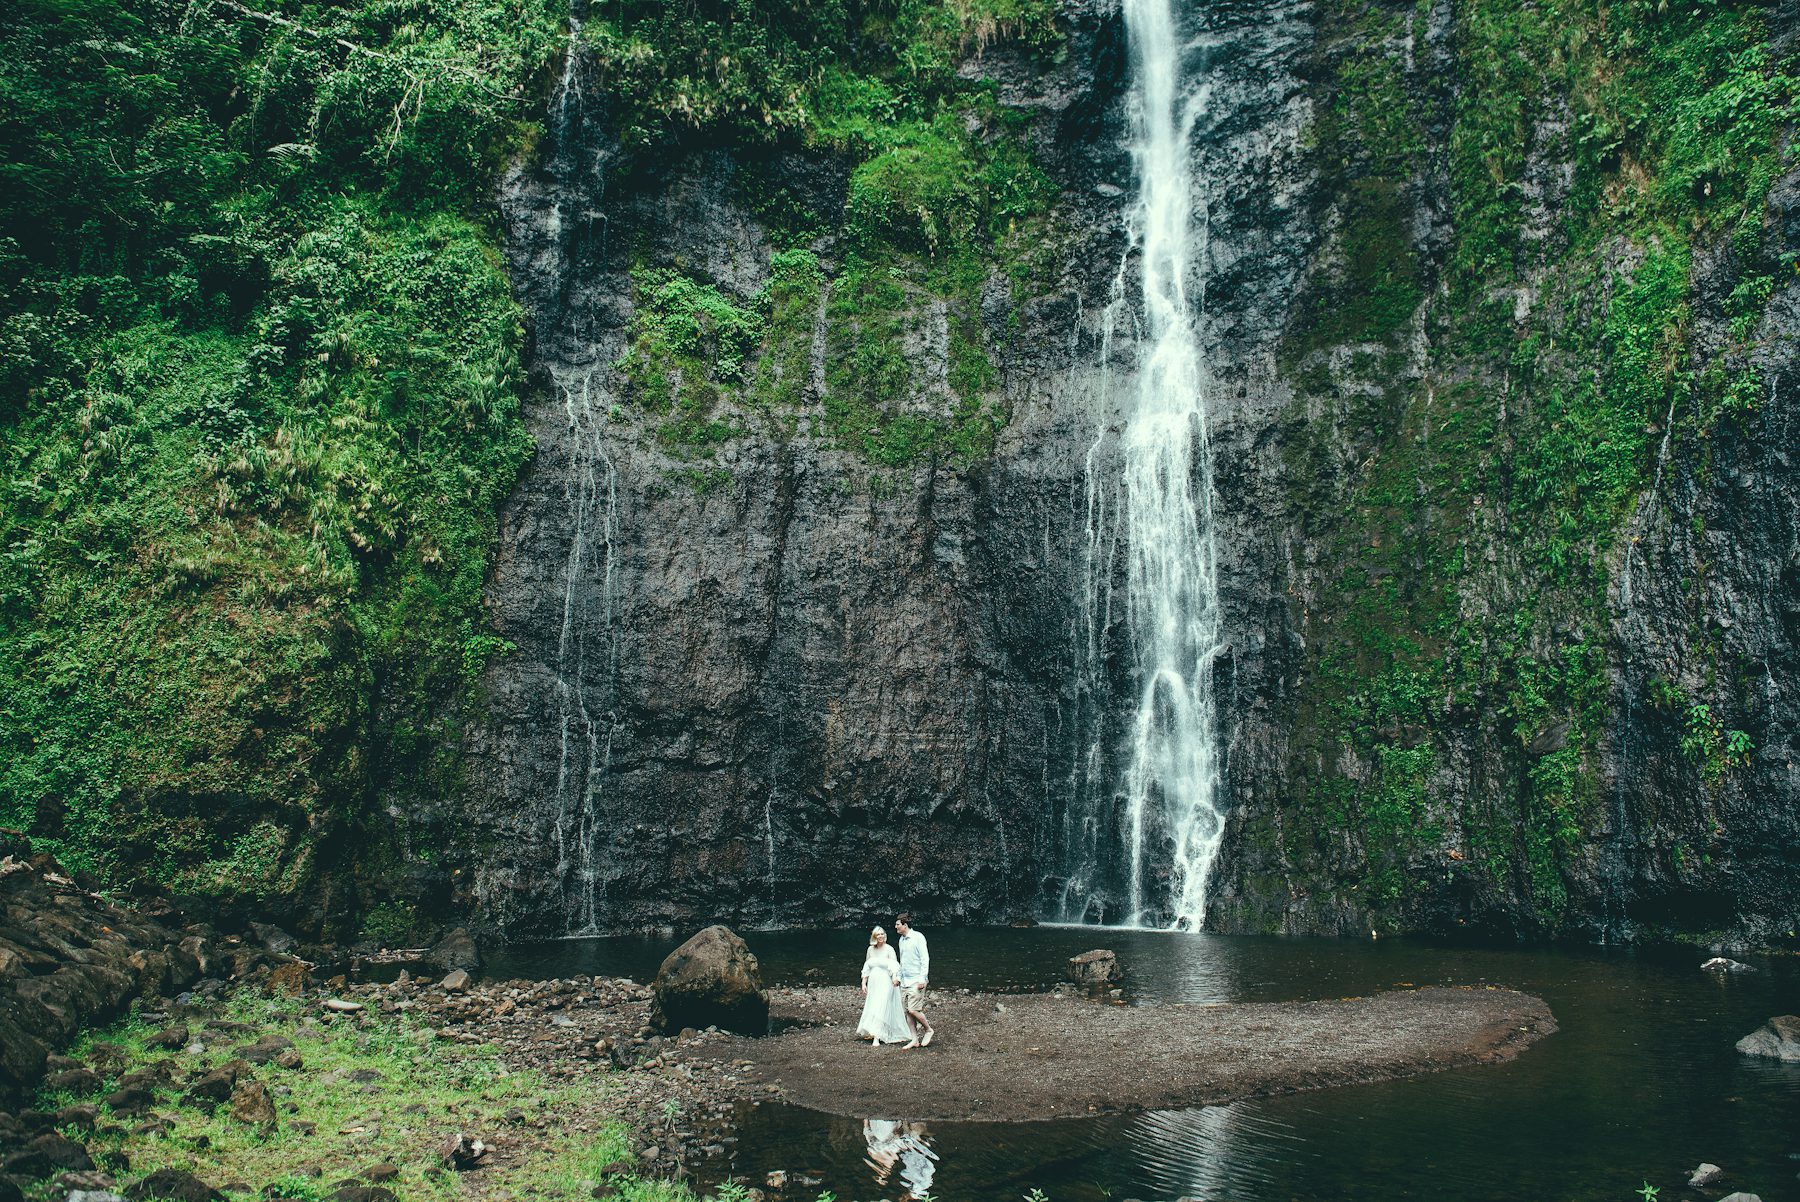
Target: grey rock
455, 982
1099, 967
456, 950
93, 1195
1779, 1038
1705, 1175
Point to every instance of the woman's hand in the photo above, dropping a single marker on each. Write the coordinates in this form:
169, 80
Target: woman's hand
864, 990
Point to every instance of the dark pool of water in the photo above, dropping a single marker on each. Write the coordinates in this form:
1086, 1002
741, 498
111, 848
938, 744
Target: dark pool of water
1641, 1083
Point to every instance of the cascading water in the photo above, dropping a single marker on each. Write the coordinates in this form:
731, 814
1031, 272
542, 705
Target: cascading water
1150, 499
585, 714
586, 665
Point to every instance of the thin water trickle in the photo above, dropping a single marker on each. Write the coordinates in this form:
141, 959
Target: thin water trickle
590, 582
1150, 496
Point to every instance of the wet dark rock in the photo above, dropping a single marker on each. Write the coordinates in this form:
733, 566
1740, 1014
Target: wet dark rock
68, 960
456, 950
1779, 1039
263, 1050
10, 1190
61, 1152
361, 1193
131, 1099
75, 1081
171, 1039
1096, 968
172, 1185
711, 980
274, 940
81, 1116
250, 1103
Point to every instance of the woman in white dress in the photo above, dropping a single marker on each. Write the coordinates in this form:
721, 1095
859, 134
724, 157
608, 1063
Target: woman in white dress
883, 1020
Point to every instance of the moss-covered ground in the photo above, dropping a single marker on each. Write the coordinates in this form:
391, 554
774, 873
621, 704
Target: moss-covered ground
370, 1090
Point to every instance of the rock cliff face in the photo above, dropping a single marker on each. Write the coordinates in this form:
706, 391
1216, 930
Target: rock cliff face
779, 683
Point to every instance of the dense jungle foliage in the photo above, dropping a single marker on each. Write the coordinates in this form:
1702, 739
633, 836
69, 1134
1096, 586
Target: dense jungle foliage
1505, 410
262, 375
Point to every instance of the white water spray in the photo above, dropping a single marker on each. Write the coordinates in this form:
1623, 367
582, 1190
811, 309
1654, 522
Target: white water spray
1160, 506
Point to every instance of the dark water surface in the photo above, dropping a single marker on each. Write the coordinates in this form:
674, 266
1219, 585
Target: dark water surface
1640, 1084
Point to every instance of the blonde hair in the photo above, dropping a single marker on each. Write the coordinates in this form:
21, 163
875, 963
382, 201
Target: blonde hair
874, 931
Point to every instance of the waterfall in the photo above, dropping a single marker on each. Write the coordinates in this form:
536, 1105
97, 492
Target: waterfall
559, 238
1150, 500
585, 716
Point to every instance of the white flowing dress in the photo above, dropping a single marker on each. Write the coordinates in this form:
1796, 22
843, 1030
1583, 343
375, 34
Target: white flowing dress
883, 1018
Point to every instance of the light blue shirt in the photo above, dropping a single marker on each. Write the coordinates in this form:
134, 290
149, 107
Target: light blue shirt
915, 959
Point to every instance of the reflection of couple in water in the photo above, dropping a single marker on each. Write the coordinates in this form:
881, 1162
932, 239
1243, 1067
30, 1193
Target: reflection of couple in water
900, 1145
893, 987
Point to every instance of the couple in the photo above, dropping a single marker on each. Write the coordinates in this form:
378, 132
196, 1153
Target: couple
895, 989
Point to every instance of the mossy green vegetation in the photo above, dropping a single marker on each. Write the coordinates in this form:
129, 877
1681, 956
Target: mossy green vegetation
263, 379
941, 196
369, 1089
1490, 465
263, 376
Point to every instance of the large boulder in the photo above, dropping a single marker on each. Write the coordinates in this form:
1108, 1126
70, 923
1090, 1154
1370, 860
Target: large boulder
456, 950
711, 980
1095, 969
1778, 1038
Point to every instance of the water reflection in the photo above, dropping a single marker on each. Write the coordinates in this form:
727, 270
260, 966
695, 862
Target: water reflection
1642, 1082
898, 1147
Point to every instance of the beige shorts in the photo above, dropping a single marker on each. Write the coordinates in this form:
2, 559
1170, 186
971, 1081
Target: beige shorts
913, 997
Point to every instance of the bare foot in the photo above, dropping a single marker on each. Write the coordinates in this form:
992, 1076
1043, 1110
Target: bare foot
909, 1046
926, 1041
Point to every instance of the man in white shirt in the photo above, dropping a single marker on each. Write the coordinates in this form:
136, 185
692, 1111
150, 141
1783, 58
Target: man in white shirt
915, 972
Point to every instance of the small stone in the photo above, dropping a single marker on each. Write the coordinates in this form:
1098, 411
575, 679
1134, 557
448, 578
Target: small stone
455, 981
1705, 1175
170, 1039
462, 1153
778, 1179
340, 1006
377, 1173
89, 1179
288, 1058
250, 1104
93, 1195
1740, 1196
